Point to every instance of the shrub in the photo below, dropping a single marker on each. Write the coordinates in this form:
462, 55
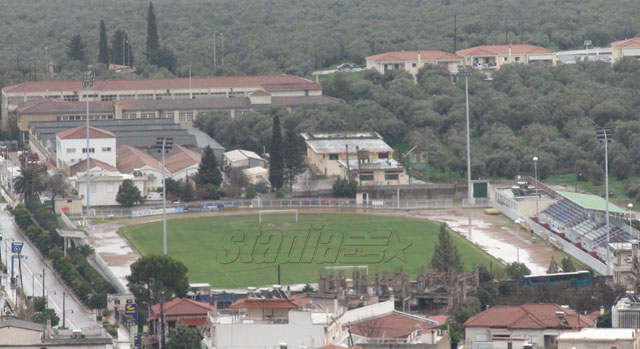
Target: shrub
279, 193
251, 192
344, 188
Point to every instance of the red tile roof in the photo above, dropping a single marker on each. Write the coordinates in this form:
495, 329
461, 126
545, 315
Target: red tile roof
181, 307
181, 158
394, 325
80, 132
440, 319
130, 159
198, 322
633, 42
539, 316
301, 302
50, 105
493, 50
82, 166
268, 82
428, 55
260, 303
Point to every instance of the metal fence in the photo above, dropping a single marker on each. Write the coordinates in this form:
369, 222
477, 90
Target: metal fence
271, 204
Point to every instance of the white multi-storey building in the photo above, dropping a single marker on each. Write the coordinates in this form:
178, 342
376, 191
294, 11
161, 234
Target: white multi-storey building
71, 146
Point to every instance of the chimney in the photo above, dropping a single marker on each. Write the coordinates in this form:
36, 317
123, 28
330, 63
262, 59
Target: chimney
419, 58
509, 60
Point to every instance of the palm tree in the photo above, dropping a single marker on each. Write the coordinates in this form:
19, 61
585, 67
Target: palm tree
30, 183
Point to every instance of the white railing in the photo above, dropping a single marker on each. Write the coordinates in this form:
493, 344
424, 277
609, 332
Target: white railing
381, 204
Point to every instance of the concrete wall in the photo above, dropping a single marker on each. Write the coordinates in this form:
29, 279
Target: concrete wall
595, 344
298, 332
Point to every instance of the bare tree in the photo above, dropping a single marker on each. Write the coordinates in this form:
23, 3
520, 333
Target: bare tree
309, 183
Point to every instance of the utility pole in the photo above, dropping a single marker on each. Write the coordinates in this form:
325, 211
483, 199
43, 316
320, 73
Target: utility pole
215, 62
44, 299
46, 61
64, 310
222, 42
165, 144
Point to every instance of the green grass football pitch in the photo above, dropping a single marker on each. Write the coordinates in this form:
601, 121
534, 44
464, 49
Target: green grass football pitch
237, 251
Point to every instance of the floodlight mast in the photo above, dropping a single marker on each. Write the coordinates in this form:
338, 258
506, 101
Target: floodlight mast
164, 144
87, 82
604, 136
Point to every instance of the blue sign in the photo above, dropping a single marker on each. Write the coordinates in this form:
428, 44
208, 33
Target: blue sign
131, 314
16, 247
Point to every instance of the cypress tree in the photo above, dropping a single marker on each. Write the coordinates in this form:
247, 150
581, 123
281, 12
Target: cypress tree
208, 172
76, 48
276, 165
103, 45
121, 48
293, 158
445, 254
152, 34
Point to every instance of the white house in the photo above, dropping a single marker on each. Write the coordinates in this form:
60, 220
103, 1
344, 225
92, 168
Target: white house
182, 162
71, 146
135, 161
243, 159
104, 185
256, 174
599, 338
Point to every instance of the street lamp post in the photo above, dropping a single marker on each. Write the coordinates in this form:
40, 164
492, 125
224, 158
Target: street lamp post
165, 144
466, 72
87, 82
604, 136
630, 206
535, 170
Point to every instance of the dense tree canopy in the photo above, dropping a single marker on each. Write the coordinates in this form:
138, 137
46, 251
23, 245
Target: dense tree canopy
156, 273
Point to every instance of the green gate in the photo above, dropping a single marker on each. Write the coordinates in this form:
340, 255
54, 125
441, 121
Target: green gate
480, 190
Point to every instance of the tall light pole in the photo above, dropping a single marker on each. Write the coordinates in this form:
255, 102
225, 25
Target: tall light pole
604, 136
87, 82
467, 72
535, 170
630, 206
164, 144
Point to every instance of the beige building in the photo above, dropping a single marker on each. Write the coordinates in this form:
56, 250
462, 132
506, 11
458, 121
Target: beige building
256, 174
179, 98
413, 61
243, 159
599, 338
622, 263
492, 57
374, 171
625, 48
324, 150
511, 327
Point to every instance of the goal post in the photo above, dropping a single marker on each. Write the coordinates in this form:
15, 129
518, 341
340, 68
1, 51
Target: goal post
268, 212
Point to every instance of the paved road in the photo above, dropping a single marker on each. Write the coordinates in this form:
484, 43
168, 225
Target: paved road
77, 317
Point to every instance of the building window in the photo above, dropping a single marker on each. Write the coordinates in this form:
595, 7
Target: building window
517, 59
185, 116
414, 65
129, 115
163, 96
71, 150
181, 96
200, 95
167, 115
366, 176
94, 188
242, 111
106, 98
145, 97
383, 155
391, 176
86, 96
148, 115
61, 118
91, 150
333, 156
219, 94
33, 98
15, 100
71, 98
106, 149
236, 94
127, 97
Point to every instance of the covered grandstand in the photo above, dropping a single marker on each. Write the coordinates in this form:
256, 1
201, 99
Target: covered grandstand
581, 219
